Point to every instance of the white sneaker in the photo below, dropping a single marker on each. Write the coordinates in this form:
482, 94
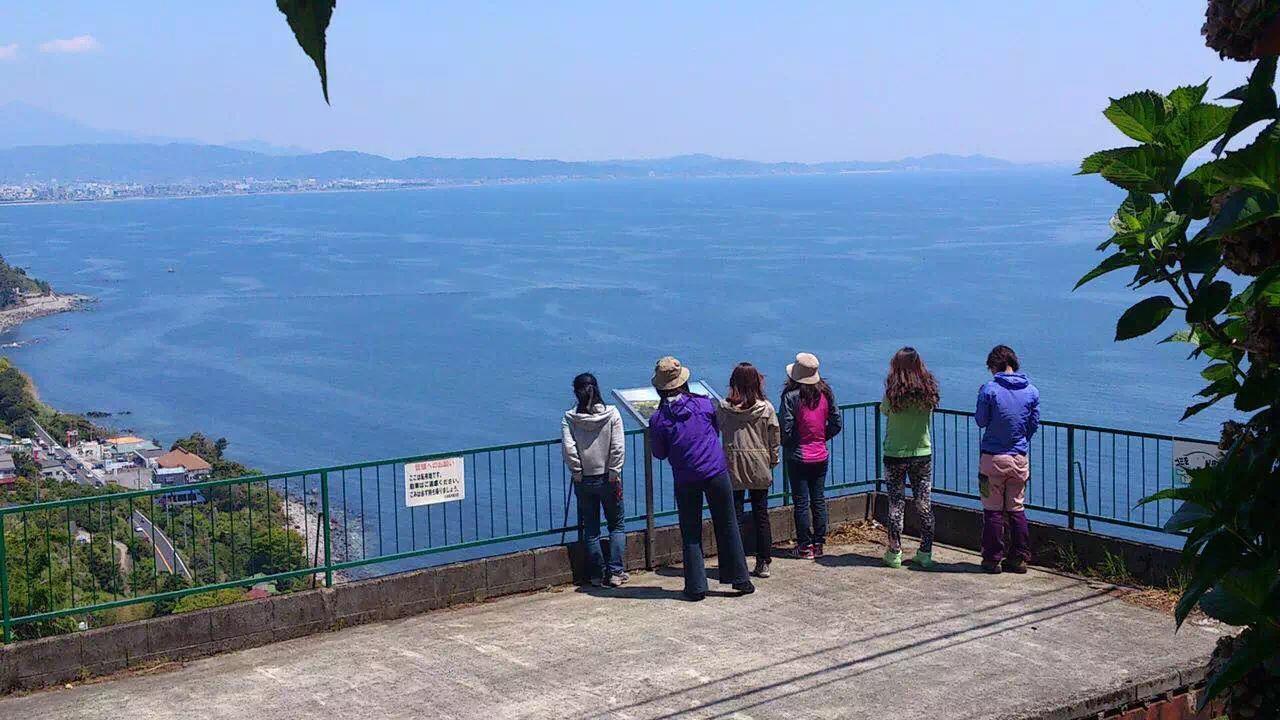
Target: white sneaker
619, 579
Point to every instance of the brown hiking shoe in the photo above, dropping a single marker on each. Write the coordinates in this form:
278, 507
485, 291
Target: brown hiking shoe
1018, 567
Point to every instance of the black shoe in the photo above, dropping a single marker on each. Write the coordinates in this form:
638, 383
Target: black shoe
744, 588
1017, 567
693, 597
991, 567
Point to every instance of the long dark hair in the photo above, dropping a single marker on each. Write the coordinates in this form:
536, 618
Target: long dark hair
746, 386
587, 390
909, 383
811, 395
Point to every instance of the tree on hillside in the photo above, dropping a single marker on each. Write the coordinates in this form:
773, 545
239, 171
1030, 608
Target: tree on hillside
1179, 231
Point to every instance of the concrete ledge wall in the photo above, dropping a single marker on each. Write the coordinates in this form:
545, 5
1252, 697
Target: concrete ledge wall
962, 527
66, 658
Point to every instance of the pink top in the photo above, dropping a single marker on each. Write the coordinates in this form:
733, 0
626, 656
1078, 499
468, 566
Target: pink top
811, 430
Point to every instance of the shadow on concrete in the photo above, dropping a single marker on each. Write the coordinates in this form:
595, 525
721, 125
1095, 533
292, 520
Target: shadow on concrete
898, 654
970, 568
849, 560
632, 592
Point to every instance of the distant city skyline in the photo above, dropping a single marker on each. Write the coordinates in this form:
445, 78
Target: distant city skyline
825, 81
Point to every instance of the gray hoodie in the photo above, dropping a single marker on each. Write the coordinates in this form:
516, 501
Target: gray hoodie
594, 443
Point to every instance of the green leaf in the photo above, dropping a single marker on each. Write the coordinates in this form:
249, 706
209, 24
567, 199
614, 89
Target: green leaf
1259, 390
1209, 301
1202, 257
1137, 212
1188, 96
309, 19
1148, 168
1209, 567
1217, 371
1139, 115
1143, 317
1256, 165
1191, 130
1257, 101
1113, 262
1225, 606
1187, 514
1192, 193
1219, 388
1242, 209
1196, 408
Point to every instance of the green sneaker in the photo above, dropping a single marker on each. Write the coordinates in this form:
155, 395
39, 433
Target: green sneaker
923, 560
893, 558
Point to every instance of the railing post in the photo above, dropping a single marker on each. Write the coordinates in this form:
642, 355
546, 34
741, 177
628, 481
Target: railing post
648, 502
786, 481
328, 542
878, 450
1071, 478
5, 625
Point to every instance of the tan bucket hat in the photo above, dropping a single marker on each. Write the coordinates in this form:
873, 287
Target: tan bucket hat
805, 369
669, 374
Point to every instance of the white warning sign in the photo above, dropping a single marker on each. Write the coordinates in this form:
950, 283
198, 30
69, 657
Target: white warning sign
434, 481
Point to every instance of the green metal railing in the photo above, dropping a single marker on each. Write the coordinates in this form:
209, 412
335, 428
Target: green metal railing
89, 557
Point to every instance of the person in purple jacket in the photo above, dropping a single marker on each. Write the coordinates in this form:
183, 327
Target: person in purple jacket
684, 431
1009, 414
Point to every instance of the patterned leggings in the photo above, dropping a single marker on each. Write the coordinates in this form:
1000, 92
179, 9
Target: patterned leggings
920, 469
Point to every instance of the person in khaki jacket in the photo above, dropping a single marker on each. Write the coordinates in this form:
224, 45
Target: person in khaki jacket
749, 427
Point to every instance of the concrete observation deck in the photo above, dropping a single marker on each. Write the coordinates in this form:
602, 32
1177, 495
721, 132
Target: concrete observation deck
842, 637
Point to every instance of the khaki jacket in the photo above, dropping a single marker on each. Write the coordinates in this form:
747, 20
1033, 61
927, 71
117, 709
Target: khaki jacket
751, 438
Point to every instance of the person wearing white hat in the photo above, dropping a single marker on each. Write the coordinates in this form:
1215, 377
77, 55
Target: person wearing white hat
809, 417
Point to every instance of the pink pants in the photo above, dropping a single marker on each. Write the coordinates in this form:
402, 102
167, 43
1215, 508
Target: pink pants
1002, 481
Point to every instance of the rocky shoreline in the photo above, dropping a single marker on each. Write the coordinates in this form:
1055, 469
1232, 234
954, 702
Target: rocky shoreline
42, 306
346, 538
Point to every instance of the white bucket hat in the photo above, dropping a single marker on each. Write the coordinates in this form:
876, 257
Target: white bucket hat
805, 369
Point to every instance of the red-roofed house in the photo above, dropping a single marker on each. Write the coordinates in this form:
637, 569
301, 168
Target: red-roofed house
193, 465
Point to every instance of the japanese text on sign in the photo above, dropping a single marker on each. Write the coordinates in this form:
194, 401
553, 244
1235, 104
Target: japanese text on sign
434, 481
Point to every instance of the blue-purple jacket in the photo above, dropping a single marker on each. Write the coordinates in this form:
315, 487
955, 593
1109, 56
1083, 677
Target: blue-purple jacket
684, 431
1009, 414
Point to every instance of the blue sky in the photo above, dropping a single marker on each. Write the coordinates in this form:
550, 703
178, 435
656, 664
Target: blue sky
589, 80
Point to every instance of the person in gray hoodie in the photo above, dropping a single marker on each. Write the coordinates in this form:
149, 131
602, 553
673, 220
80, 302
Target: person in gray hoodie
594, 445
749, 426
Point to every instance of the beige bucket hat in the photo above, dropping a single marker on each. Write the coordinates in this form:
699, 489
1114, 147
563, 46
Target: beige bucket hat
805, 369
669, 374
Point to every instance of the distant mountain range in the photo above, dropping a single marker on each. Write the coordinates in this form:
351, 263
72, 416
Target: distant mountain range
189, 163
22, 124
41, 147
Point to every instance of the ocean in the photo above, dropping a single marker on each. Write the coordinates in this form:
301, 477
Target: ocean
316, 329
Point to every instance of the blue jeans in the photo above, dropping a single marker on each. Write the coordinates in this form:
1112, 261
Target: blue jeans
724, 520
807, 493
594, 491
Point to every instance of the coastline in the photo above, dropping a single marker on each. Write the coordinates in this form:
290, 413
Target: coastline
306, 522
39, 307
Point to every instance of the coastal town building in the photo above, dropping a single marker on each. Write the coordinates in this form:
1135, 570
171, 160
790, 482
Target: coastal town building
193, 467
8, 472
127, 444
52, 469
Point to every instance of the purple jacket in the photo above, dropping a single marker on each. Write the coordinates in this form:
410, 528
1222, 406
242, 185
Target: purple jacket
684, 431
1008, 413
